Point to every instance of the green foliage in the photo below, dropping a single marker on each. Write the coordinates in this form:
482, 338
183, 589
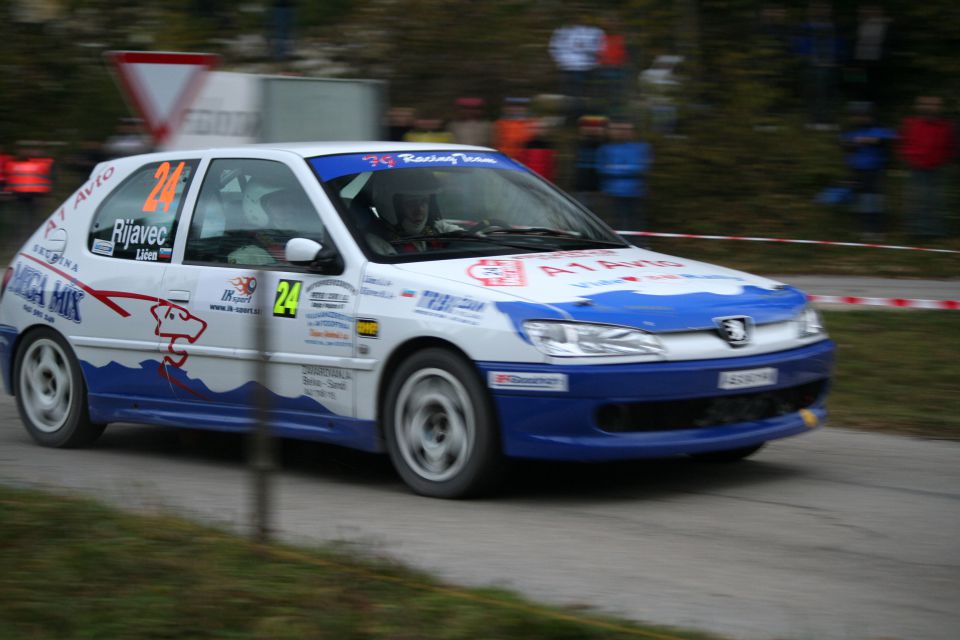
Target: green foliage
70, 568
897, 371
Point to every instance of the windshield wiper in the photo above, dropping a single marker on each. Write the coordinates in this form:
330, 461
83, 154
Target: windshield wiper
468, 235
546, 232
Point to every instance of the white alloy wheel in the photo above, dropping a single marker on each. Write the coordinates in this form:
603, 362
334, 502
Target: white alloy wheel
440, 426
46, 385
435, 424
51, 392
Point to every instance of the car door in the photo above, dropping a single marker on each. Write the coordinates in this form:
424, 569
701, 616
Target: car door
129, 246
232, 270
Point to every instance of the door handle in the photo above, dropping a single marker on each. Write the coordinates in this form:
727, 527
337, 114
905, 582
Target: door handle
177, 295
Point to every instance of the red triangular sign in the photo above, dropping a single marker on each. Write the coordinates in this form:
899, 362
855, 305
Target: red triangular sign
161, 85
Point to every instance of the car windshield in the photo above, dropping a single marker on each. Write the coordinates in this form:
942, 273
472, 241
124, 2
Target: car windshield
436, 205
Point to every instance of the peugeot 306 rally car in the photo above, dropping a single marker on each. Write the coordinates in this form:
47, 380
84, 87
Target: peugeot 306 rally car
438, 302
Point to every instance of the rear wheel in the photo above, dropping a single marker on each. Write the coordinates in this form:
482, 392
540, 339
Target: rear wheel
51, 393
439, 426
730, 455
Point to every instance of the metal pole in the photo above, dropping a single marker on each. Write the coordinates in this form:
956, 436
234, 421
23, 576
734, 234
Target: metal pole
262, 453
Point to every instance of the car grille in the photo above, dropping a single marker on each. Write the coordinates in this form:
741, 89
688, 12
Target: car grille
693, 413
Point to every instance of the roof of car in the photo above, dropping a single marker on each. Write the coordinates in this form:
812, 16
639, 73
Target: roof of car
311, 149
302, 149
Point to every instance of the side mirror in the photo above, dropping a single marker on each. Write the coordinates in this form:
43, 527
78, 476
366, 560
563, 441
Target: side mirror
304, 252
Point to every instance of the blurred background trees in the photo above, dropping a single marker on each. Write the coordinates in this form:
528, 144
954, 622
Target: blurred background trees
740, 159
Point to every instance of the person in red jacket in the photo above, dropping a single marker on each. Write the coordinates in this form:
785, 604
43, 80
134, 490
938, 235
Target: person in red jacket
927, 145
539, 153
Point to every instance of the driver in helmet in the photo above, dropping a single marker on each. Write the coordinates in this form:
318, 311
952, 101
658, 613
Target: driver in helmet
414, 209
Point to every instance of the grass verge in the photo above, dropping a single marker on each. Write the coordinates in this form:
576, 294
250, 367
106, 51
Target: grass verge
897, 371
71, 568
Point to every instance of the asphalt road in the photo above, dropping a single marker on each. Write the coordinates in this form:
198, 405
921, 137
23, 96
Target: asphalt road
834, 534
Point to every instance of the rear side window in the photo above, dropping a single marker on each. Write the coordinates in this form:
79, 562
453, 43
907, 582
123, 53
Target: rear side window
138, 221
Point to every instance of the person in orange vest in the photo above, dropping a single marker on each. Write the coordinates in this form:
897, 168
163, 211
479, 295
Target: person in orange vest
514, 128
30, 179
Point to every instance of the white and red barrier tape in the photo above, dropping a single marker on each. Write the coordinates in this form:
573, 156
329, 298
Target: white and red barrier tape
655, 234
904, 303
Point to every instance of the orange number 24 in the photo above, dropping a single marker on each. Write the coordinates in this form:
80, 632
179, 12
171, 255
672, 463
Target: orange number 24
166, 186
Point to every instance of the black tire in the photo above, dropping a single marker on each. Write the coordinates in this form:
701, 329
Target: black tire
440, 426
730, 455
51, 392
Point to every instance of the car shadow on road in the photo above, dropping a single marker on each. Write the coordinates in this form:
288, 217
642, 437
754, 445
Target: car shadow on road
640, 479
294, 456
523, 480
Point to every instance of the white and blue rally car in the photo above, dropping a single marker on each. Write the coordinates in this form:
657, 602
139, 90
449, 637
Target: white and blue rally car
438, 302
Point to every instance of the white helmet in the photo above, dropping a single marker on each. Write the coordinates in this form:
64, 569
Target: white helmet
253, 209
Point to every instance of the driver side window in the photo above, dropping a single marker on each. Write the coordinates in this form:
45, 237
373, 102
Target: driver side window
246, 212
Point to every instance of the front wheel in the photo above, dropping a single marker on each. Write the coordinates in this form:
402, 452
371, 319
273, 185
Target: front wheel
51, 393
440, 428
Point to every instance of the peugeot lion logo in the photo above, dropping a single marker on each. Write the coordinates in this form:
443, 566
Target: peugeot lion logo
736, 330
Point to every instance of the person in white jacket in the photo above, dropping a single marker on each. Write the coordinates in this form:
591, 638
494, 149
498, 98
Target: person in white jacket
574, 48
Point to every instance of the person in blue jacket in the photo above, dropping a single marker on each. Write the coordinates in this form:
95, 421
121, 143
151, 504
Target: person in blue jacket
866, 145
622, 164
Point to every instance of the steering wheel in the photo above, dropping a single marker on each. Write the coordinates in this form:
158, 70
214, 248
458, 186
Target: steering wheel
490, 224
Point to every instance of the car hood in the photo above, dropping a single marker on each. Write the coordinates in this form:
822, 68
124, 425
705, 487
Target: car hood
630, 287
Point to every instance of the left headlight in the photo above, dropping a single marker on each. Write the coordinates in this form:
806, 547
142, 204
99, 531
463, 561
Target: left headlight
810, 323
573, 339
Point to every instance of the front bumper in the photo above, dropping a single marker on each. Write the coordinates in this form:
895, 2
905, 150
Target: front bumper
576, 425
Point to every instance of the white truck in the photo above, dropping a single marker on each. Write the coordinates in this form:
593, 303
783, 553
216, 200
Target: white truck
242, 108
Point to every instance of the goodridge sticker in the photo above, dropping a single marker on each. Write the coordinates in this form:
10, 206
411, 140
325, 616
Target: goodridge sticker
530, 381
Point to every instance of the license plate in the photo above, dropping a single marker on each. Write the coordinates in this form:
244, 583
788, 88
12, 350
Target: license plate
747, 378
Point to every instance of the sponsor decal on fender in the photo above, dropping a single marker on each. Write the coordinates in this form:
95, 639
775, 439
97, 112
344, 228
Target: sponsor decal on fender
450, 307
368, 328
531, 381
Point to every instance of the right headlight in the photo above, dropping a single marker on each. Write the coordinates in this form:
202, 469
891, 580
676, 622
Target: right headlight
810, 323
579, 339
